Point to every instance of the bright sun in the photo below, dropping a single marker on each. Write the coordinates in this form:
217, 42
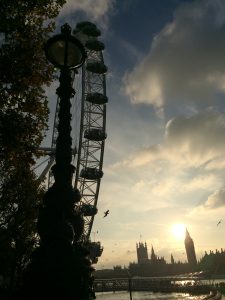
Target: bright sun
178, 231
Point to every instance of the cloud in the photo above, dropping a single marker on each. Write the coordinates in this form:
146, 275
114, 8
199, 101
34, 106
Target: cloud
195, 141
199, 138
186, 63
202, 181
212, 208
216, 200
180, 172
96, 10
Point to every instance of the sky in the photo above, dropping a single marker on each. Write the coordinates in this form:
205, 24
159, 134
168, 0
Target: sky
164, 160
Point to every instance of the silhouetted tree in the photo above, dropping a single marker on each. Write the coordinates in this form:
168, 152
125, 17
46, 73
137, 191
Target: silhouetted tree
24, 73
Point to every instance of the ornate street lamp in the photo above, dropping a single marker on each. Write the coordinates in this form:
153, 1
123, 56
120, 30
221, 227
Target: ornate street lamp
60, 267
65, 52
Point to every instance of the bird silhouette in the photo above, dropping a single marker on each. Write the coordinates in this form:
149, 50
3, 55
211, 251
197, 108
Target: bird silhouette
219, 222
106, 213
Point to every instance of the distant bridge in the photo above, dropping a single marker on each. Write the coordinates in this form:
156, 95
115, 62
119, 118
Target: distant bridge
154, 284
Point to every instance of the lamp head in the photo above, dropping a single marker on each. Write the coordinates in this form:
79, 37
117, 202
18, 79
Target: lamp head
64, 50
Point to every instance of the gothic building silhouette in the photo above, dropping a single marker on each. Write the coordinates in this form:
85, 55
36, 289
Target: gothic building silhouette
149, 264
142, 252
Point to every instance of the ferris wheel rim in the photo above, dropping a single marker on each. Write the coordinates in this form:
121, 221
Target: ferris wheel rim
92, 69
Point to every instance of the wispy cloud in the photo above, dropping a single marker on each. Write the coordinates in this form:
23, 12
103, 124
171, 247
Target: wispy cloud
189, 142
182, 167
216, 200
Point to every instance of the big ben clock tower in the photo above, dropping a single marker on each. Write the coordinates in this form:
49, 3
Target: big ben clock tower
190, 250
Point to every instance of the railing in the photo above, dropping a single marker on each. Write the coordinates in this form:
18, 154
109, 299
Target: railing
154, 284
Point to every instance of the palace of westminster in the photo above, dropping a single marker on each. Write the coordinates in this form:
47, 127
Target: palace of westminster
212, 263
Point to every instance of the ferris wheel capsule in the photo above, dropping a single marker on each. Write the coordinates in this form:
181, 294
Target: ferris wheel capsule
96, 67
97, 98
94, 45
95, 134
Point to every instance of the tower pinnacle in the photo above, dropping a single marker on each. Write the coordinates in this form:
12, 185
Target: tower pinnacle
190, 250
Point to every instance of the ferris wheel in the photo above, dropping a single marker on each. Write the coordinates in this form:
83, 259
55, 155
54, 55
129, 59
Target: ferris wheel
88, 110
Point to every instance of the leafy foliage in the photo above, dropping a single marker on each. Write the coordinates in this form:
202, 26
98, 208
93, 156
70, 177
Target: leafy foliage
24, 71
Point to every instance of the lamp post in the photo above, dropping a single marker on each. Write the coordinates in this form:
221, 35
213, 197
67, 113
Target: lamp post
60, 267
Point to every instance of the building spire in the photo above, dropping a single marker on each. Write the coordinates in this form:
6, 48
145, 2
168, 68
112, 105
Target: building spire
153, 256
172, 259
142, 253
190, 250
187, 234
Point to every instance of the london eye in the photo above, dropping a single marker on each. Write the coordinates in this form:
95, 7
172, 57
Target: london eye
88, 109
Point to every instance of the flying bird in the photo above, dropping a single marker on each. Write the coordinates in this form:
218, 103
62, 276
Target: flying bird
106, 213
219, 222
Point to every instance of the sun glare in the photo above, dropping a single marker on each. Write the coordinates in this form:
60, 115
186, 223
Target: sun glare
178, 231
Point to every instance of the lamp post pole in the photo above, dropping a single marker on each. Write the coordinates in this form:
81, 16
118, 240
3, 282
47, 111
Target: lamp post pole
60, 268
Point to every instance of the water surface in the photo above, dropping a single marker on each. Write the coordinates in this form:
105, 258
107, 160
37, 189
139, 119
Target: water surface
145, 296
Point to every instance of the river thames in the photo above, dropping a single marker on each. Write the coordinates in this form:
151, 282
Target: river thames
147, 296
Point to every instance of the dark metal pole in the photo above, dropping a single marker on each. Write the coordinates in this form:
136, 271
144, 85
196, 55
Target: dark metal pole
60, 267
63, 169
130, 285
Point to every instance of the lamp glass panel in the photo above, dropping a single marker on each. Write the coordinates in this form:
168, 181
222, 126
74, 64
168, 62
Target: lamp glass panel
56, 53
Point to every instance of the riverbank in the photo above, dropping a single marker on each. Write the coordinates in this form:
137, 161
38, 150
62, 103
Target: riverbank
155, 285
